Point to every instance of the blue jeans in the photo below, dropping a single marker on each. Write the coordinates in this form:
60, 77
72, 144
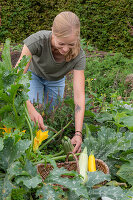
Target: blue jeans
43, 91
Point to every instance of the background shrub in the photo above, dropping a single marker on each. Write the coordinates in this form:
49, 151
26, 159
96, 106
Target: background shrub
22, 18
107, 24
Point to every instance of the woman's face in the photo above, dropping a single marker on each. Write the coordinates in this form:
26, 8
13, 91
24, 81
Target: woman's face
64, 44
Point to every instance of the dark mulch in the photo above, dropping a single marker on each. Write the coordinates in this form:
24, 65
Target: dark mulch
14, 57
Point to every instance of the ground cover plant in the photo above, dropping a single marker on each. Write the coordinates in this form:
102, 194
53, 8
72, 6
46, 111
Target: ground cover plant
108, 132
113, 68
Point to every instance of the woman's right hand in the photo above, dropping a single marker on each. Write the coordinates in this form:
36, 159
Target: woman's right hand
35, 116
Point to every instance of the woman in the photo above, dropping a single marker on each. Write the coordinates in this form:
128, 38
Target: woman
52, 55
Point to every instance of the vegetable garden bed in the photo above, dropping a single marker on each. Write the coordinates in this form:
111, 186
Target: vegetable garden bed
107, 131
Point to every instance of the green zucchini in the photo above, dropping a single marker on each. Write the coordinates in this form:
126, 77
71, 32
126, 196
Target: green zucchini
67, 145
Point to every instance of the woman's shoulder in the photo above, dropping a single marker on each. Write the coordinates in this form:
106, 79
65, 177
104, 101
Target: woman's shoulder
36, 41
42, 34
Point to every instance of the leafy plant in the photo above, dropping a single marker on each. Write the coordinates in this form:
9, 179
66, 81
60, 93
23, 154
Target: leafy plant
126, 172
74, 184
107, 75
13, 168
107, 133
17, 47
117, 112
13, 92
107, 143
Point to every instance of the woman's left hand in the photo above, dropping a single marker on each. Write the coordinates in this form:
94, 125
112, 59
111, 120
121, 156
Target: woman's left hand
76, 140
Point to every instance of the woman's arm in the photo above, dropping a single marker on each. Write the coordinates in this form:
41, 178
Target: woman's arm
25, 52
34, 115
79, 100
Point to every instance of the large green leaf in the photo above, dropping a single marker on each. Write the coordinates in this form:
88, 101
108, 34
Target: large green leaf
26, 174
18, 173
6, 58
73, 196
12, 151
5, 108
13, 91
126, 172
4, 96
48, 192
107, 142
24, 80
16, 169
32, 182
96, 178
128, 121
115, 193
9, 121
102, 117
74, 184
5, 187
29, 182
25, 59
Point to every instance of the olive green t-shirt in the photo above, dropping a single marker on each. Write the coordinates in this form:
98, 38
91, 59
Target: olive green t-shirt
43, 63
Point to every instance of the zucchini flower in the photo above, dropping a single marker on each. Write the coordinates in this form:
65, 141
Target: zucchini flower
36, 144
7, 130
40, 137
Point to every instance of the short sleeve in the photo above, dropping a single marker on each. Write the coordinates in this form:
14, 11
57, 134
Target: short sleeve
81, 62
33, 43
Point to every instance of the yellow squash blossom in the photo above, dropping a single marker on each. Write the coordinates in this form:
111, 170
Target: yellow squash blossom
40, 136
6, 130
36, 144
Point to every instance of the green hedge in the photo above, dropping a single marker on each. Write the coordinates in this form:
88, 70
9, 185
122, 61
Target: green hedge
22, 18
104, 24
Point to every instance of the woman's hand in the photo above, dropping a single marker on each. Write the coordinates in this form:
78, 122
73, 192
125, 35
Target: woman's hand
35, 116
77, 140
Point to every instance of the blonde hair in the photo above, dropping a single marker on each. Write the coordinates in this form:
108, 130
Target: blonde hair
65, 24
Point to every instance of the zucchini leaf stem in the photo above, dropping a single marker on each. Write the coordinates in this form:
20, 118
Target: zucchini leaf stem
50, 139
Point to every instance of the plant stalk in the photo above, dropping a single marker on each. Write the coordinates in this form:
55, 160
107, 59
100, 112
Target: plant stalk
50, 139
27, 117
58, 154
64, 156
56, 158
31, 133
14, 109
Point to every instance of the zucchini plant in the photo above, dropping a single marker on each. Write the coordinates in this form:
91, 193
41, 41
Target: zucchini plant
13, 92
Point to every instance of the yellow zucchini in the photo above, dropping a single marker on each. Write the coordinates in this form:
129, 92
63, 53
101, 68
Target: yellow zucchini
91, 163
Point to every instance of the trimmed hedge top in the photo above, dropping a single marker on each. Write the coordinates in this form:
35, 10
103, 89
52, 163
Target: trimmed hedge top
106, 24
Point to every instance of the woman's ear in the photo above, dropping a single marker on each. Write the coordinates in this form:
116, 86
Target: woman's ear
52, 39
